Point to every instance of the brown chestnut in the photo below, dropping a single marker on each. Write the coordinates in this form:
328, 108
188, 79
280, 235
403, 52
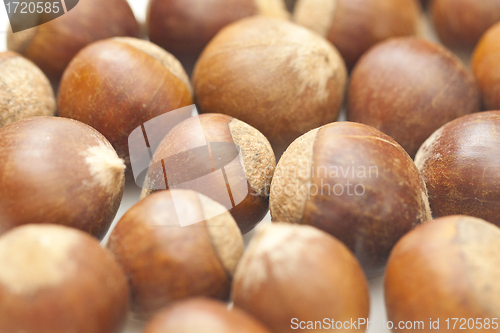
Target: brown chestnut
174, 245
460, 164
55, 279
116, 94
408, 88
486, 67
60, 171
52, 45
25, 92
200, 315
220, 157
274, 75
185, 28
355, 183
355, 26
294, 275
461, 23
444, 276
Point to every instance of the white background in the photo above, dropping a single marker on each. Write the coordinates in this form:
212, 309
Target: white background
132, 191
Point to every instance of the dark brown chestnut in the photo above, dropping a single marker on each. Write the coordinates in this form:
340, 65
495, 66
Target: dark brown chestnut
408, 88
61, 171
220, 157
173, 245
55, 279
355, 183
118, 84
460, 164
52, 45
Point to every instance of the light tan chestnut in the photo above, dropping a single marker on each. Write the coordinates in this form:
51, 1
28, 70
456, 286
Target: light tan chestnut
116, 94
61, 171
52, 45
300, 272
220, 157
355, 26
201, 315
185, 28
176, 244
486, 67
355, 183
55, 279
274, 75
25, 92
408, 88
447, 268
461, 23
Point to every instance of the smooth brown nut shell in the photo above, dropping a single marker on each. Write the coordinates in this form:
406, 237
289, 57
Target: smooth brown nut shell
292, 271
486, 67
184, 27
278, 77
355, 183
25, 92
461, 23
460, 164
166, 261
55, 279
52, 45
61, 171
408, 88
202, 315
247, 177
444, 269
116, 94
354, 26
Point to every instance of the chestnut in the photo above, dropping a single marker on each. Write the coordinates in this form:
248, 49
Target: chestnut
55, 279
174, 245
461, 23
408, 88
355, 183
60, 171
25, 92
220, 157
292, 274
201, 315
185, 29
355, 26
486, 68
460, 164
117, 94
276, 76
445, 275
52, 45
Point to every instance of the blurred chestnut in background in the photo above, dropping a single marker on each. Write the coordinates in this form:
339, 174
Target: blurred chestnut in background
461, 23
55, 279
52, 45
184, 27
118, 84
60, 171
274, 75
174, 245
200, 315
408, 88
355, 183
220, 157
354, 26
300, 272
460, 164
486, 67
445, 269
25, 90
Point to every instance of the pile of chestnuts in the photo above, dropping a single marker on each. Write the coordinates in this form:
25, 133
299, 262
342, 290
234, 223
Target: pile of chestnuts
251, 166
